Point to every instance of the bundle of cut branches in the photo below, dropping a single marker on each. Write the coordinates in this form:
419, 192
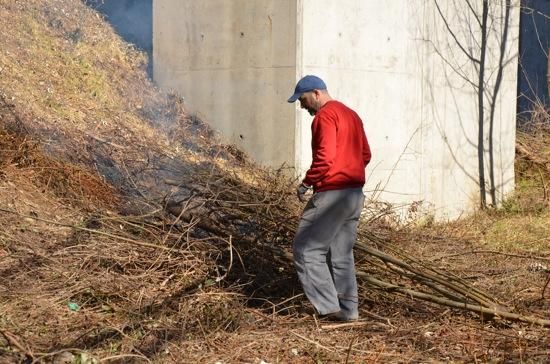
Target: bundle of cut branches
264, 219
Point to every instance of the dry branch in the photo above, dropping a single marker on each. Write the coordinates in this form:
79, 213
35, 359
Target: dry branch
450, 303
148, 282
97, 232
455, 284
224, 207
13, 341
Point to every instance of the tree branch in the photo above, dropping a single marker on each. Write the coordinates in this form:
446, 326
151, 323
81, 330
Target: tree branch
470, 57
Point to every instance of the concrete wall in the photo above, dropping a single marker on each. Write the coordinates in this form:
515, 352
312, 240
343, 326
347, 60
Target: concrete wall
451, 105
367, 54
395, 62
234, 62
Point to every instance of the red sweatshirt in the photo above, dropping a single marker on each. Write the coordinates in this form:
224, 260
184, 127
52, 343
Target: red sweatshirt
340, 149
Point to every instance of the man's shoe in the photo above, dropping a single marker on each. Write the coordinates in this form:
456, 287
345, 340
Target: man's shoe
339, 317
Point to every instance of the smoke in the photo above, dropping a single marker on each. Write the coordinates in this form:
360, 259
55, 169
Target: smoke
131, 19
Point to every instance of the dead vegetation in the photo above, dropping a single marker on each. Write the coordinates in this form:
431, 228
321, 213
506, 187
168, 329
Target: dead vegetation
129, 234
533, 164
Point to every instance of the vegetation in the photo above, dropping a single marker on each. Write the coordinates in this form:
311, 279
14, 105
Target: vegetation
130, 233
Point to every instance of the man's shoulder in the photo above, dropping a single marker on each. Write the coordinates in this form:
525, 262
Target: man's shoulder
332, 107
336, 105
337, 108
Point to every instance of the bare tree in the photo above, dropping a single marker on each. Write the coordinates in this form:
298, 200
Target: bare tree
493, 101
484, 28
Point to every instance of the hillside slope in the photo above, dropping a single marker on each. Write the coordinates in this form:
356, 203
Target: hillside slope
87, 259
96, 264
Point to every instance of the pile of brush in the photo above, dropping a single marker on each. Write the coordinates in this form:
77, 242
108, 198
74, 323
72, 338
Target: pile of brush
261, 217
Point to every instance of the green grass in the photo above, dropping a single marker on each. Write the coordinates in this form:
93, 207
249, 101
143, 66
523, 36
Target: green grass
527, 233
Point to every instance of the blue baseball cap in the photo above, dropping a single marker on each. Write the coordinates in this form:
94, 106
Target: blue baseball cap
307, 83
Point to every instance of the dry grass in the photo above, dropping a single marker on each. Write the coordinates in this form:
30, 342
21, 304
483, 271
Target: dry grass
92, 264
533, 166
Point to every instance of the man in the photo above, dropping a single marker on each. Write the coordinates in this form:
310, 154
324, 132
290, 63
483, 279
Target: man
323, 245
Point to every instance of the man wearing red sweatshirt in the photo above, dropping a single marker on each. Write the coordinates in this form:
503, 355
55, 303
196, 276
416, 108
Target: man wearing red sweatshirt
323, 245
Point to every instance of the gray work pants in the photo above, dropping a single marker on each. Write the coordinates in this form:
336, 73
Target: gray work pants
323, 250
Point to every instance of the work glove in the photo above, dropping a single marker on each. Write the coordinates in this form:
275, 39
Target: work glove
302, 190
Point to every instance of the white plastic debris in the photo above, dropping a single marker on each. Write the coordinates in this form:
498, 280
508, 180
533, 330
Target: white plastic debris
538, 267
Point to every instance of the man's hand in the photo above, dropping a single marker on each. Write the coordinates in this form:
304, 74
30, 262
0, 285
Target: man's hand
302, 190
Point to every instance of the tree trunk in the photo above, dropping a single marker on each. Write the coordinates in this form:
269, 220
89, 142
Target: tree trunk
481, 106
493, 105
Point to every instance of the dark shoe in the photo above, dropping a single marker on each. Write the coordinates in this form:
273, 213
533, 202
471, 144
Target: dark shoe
338, 317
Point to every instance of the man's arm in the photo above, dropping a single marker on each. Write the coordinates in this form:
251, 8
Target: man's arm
366, 150
324, 149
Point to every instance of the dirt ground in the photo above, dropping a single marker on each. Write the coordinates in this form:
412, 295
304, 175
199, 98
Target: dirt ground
130, 234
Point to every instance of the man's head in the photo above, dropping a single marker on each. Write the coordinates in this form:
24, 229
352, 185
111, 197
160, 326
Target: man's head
312, 93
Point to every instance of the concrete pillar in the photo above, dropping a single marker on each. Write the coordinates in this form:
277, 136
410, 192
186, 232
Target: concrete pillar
398, 63
234, 61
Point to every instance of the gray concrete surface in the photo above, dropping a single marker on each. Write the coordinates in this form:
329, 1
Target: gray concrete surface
395, 62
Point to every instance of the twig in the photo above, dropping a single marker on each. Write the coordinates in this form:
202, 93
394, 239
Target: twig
543, 182
492, 252
283, 302
312, 342
12, 341
349, 349
97, 232
346, 324
544, 288
455, 284
41, 356
219, 279
450, 303
378, 317
101, 140
114, 357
